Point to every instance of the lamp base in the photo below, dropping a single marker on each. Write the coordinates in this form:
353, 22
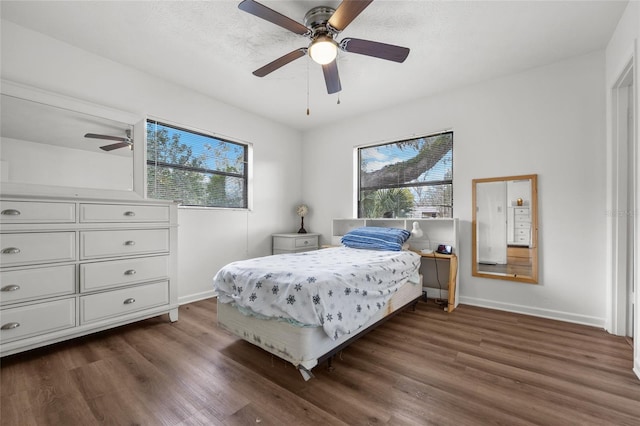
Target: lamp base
302, 230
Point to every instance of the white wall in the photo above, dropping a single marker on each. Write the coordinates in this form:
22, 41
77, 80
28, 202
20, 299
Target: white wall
207, 238
549, 121
622, 48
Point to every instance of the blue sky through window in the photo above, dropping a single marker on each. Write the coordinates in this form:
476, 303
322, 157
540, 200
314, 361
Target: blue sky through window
216, 154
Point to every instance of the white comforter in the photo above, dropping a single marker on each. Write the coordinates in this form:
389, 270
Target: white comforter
336, 288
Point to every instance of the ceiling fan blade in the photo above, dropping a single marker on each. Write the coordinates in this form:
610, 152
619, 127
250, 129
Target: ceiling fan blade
261, 11
347, 12
281, 61
115, 146
375, 49
107, 137
331, 77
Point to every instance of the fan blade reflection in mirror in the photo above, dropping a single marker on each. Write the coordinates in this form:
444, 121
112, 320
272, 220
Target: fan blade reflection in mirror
346, 13
281, 61
331, 77
116, 146
274, 17
107, 137
375, 49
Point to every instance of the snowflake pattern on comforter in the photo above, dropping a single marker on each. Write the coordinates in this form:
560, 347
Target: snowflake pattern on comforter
337, 288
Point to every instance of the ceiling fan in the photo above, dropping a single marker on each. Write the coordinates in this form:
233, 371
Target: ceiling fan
322, 24
122, 141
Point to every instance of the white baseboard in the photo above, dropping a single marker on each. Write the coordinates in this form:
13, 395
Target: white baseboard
636, 366
537, 312
182, 300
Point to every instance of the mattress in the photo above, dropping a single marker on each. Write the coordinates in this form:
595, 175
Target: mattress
338, 288
302, 346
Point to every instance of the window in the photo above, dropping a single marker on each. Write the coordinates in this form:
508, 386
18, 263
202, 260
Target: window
194, 168
408, 178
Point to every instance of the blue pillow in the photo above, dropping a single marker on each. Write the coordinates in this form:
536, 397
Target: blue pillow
376, 238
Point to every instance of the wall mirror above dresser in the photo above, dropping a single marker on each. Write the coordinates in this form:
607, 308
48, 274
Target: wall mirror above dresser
51, 144
504, 231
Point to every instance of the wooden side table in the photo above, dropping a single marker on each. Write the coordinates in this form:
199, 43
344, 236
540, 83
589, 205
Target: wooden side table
453, 273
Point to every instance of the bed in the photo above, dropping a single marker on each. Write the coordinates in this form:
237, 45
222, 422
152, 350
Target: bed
305, 307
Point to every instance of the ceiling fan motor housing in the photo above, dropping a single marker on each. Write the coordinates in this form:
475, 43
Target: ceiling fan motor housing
317, 19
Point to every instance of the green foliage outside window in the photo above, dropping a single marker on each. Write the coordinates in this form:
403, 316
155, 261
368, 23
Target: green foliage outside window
195, 169
408, 178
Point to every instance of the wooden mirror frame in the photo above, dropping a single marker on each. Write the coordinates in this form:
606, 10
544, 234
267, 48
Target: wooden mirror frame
510, 273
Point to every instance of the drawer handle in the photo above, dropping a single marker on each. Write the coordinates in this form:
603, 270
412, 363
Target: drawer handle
130, 272
10, 326
10, 288
306, 242
11, 250
129, 213
129, 301
130, 243
10, 212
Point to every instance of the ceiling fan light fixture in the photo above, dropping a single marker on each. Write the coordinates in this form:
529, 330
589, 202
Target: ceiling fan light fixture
323, 49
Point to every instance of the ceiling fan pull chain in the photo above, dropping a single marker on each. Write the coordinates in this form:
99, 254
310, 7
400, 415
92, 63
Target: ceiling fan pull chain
307, 87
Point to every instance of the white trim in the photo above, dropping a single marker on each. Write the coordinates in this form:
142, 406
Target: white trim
183, 300
615, 321
537, 312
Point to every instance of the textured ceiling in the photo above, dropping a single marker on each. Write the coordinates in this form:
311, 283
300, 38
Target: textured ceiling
212, 47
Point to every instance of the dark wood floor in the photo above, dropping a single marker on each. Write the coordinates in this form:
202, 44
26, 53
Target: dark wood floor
471, 367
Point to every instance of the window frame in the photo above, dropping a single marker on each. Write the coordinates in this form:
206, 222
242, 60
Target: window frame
248, 161
357, 171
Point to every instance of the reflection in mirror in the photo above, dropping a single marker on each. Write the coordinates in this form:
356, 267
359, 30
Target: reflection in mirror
505, 228
46, 145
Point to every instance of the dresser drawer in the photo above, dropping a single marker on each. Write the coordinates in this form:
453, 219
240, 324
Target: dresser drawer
102, 275
523, 212
121, 213
96, 307
522, 232
125, 242
37, 247
27, 284
36, 212
36, 319
522, 225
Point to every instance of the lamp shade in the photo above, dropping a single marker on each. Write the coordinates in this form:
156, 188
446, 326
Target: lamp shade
323, 49
416, 232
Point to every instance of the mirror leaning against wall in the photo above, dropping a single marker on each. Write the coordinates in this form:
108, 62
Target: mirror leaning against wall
504, 230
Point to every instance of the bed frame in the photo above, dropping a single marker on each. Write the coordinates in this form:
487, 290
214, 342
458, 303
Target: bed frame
306, 347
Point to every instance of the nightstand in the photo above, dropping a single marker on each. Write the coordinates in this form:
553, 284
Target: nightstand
295, 243
453, 272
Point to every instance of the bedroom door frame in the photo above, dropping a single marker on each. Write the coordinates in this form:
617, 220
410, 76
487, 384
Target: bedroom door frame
623, 208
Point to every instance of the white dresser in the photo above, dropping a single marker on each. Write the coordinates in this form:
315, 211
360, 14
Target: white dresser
519, 226
71, 267
295, 243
